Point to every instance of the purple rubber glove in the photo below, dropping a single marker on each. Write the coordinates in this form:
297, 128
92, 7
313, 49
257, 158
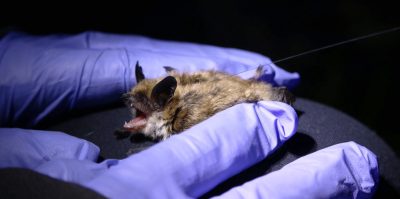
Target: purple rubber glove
190, 163
345, 170
46, 76
193, 162
24, 148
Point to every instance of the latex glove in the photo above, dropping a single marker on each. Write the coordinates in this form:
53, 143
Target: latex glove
46, 76
345, 170
25, 148
188, 164
192, 163
52, 153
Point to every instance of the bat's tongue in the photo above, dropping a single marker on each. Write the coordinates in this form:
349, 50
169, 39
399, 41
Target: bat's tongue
136, 123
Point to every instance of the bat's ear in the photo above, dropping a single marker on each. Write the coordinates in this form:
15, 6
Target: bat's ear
139, 73
259, 72
163, 91
170, 70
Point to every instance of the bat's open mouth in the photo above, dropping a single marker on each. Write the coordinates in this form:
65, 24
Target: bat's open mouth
137, 123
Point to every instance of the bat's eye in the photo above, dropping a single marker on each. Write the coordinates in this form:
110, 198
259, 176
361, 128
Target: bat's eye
125, 96
128, 99
132, 100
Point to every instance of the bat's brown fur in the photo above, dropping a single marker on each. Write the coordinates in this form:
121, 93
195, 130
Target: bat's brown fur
197, 97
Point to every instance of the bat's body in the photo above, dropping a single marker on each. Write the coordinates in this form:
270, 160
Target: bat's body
169, 105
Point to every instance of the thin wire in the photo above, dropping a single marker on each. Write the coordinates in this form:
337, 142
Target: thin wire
341, 43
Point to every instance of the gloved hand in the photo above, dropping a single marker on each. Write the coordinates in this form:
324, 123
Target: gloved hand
62, 73
44, 77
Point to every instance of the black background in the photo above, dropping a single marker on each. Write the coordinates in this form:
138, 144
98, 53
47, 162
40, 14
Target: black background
359, 79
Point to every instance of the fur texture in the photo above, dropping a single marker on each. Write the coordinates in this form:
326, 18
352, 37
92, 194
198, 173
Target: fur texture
175, 103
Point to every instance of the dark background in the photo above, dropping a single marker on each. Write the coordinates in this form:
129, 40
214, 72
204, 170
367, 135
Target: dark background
359, 78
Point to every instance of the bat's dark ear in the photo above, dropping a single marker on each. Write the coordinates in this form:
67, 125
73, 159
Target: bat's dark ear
139, 73
170, 70
163, 91
259, 72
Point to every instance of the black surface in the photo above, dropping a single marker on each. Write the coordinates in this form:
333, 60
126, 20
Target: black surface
320, 126
23, 183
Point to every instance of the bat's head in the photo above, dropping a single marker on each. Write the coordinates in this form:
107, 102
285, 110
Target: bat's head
147, 97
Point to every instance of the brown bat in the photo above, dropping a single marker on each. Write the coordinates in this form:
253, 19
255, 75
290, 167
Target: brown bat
166, 106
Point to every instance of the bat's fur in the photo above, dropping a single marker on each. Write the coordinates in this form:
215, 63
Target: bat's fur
179, 101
